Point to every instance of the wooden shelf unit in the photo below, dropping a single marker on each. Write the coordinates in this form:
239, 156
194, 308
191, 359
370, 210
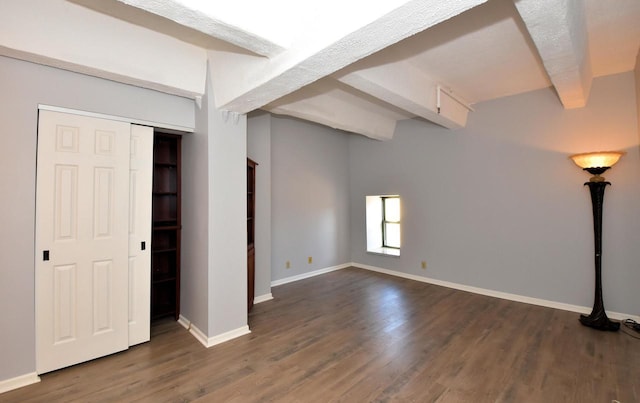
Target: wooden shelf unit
165, 243
251, 229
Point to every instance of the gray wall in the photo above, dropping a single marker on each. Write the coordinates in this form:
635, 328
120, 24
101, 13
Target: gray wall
499, 205
637, 78
22, 87
259, 150
309, 197
194, 256
227, 224
214, 249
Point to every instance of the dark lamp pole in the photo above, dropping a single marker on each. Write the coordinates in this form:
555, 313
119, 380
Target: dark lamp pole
596, 164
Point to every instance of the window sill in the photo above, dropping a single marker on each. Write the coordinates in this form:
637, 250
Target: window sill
385, 251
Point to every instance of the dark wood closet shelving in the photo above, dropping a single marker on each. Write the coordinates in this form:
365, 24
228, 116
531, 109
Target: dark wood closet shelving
251, 228
165, 243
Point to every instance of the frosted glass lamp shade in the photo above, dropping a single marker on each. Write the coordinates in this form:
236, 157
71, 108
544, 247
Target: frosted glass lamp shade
597, 163
597, 159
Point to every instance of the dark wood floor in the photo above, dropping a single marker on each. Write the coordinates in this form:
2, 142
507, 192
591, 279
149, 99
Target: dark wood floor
358, 336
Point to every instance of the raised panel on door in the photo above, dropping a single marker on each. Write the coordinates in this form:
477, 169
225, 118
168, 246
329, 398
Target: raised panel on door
82, 205
64, 303
102, 296
140, 183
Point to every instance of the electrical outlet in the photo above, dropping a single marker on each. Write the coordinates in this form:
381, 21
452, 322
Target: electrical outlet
288, 265
424, 265
310, 259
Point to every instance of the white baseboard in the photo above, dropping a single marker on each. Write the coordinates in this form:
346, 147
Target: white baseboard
263, 298
199, 335
232, 334
193, 329
212, 341
186, 323
497, 294
309, 274
18, 382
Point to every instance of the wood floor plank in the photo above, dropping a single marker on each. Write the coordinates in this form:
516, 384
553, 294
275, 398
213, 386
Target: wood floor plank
359, 336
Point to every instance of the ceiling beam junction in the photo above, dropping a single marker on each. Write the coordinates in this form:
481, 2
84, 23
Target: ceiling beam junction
338, 113
243, 84
559, 31
408, 88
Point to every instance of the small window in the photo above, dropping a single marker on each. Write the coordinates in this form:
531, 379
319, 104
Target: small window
391, 222
383, 224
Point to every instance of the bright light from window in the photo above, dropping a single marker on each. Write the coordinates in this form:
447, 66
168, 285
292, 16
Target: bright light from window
392, 209
391, 222
392, 235
383, 224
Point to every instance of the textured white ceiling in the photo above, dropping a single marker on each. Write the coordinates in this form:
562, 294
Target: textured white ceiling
482, 54
356, 65
614, 35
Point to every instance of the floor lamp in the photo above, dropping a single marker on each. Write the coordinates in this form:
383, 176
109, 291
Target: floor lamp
596, 164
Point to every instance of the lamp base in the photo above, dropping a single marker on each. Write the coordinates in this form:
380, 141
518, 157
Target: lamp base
599, 321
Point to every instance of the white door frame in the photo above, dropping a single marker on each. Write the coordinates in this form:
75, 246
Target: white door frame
169, 128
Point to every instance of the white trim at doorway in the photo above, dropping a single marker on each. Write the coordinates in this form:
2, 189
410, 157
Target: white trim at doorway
174, 128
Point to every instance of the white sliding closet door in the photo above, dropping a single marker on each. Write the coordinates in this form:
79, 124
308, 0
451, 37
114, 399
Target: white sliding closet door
140, 178
82, 239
